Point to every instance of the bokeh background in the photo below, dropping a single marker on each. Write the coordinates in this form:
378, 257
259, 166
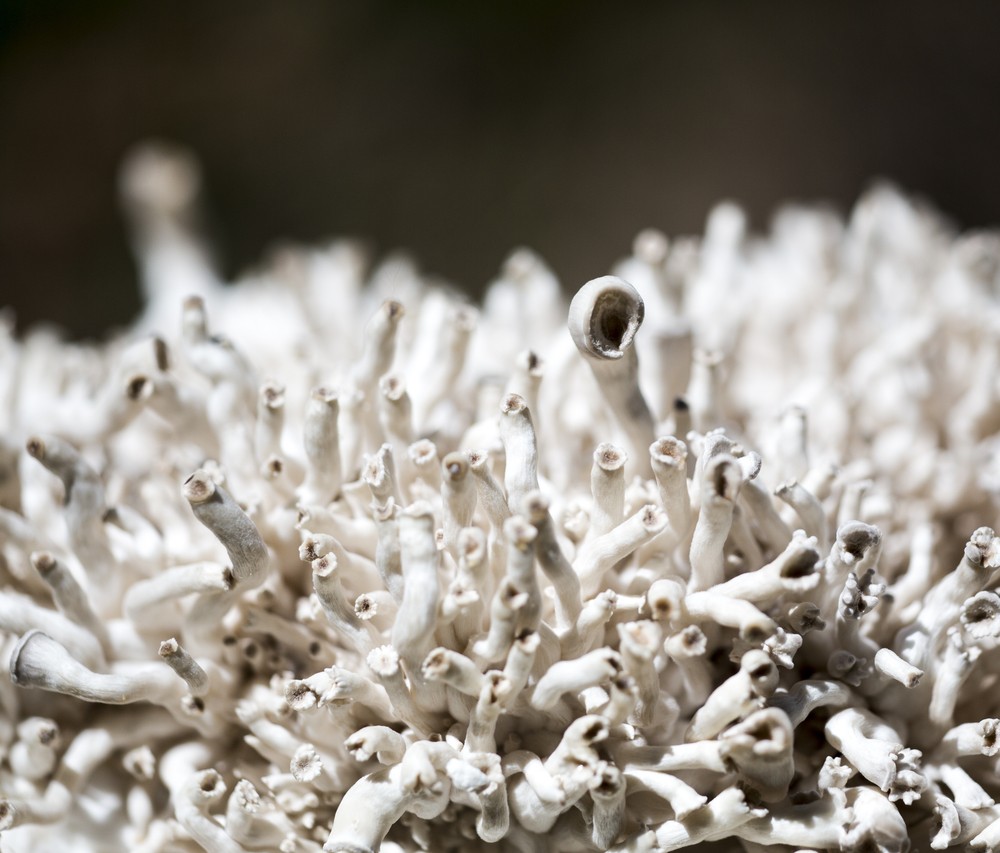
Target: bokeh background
459, 129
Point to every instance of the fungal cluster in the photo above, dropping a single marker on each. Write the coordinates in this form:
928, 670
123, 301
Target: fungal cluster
332, 560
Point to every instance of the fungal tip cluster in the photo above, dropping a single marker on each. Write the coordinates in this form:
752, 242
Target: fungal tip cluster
332, 560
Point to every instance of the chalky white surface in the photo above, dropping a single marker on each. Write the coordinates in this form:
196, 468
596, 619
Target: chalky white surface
851, 367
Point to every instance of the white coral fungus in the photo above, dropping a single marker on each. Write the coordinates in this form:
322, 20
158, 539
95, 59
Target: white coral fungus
373, 569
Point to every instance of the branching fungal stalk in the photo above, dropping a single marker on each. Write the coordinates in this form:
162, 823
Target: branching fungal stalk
477, 596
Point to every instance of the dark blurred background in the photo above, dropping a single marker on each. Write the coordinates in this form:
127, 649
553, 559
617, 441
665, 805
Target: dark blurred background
460, 129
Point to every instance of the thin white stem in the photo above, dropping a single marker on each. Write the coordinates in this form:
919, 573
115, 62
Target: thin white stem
70, 597
493, 695
447, 361
598, 555
971, 739
622, 697
567, 676
565, 581
450, 667
792, 445
379, 474
191, 806
639, 643
213, 507
673, 358
951, 674
458, 496
34, 754
753, 625
719, 489
270, 420
186, 667
808, 508
321, 438
388, 559
722, 816
736, 697
607, 487
384, 664
473, 578
521, 450
604, 316
687, 649
423, 456
358, 535
395, 411
358, 568
491, 496
683, 799
360, 634
874, 748
85, 507
520, 661
893, 666
589, 626
795, 570
507, 602
378, 742
19, 615
773, 531
805, 696
520, 537
39, 661
379, 347
413, 633
526, 378
145, 597
608, 791
668, 457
